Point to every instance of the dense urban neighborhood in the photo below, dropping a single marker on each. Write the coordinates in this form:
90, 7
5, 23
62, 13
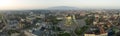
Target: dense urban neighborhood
83, 22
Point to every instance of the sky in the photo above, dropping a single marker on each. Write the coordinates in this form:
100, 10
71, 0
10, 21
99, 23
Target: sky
39, 4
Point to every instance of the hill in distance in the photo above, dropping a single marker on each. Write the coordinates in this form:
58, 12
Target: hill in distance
62, 8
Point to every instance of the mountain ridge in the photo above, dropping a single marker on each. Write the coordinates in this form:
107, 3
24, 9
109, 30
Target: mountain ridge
62, 8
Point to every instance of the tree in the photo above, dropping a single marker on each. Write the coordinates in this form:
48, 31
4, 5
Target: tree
63, 34
89, 21
52, 19
12, 31
118, 34
55, 28
81, 30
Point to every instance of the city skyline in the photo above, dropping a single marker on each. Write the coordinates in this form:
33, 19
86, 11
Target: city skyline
40, 4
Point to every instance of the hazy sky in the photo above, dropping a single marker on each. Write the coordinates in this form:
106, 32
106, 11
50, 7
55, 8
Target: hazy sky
37, 4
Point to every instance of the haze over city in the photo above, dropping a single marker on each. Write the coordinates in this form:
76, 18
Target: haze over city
59, 17
40, 4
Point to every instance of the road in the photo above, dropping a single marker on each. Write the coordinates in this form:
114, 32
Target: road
5, 22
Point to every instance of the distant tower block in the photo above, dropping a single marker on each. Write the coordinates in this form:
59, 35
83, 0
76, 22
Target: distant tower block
70, 20
31, 13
